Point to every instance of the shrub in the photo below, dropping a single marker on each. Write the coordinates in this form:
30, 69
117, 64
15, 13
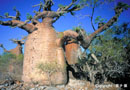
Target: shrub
11, 65
49, 68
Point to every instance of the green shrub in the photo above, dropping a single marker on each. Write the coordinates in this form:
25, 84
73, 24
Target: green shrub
5, 59
48, 67
16, 62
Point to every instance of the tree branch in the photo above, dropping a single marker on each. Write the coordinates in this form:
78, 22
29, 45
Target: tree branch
13, 23
48, 13
48, 4
20, 42
1, 45
92, 16
67, 7
86, 40
94, 57
45, 14
63, 36
17, 17
41, 6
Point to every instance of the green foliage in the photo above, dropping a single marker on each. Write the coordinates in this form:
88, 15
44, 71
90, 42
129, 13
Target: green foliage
123, 5
14, 8
61, 6
60, 35
111, 44
96, 3
77, 5
77, 29
19, 57
7, 60
49, 67
6, 57
99, 19
17, 60
29, 17
108, 56
6, 14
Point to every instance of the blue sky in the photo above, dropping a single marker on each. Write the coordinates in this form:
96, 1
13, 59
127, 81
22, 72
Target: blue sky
64, 23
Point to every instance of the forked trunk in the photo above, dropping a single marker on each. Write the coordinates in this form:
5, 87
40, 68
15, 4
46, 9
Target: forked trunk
41, 49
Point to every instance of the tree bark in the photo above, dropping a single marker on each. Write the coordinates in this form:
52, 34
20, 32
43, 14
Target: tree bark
71, 51
41, 47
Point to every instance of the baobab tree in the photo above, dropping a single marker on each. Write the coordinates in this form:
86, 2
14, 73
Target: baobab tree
17, 50
44, 46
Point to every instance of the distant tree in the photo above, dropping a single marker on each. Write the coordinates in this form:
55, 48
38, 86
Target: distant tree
18, 49
44, 44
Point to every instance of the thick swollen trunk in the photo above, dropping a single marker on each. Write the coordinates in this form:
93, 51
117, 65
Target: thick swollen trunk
40, 49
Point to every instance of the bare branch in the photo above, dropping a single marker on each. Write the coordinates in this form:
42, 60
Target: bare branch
41, 6
27, 27
70, 8
48, 4
94, 57
40, 15
67, 7
20, 42
56, 19
17, 17
92, 16
1, 45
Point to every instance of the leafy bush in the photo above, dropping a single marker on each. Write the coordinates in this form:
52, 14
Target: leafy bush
49, 68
